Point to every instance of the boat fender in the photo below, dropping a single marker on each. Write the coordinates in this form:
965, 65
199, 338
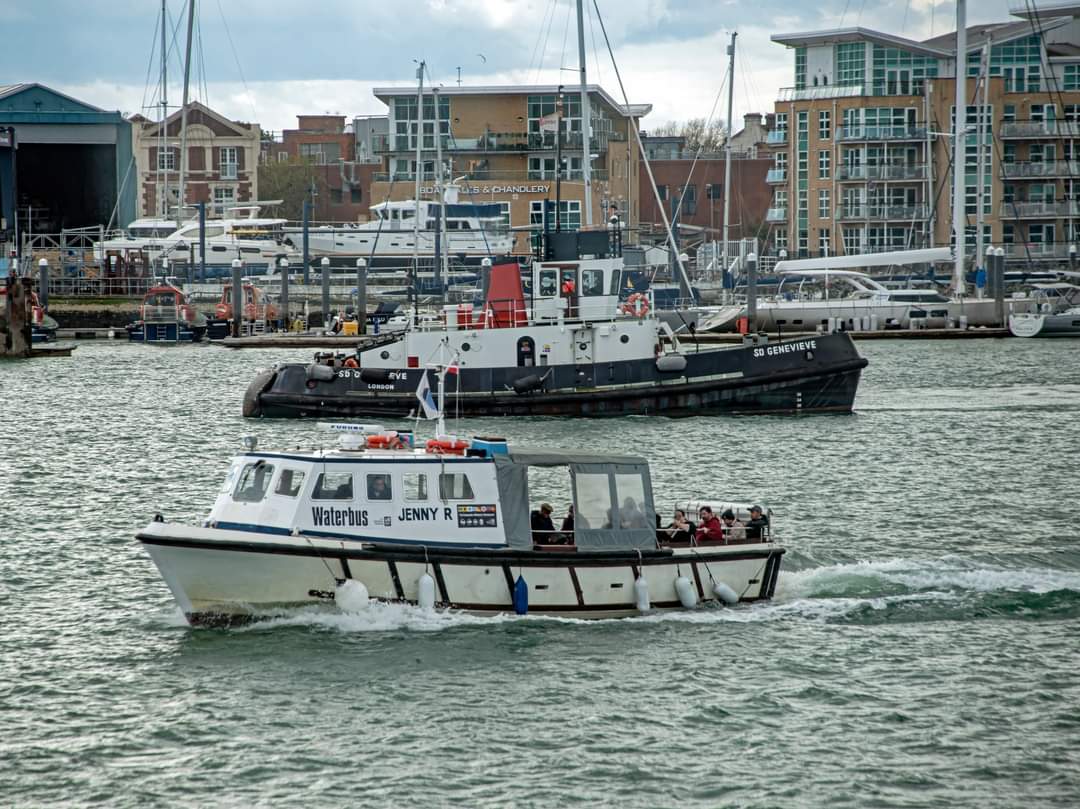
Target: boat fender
426, 592
671, 362
351, 596
527, 384
641, 594
375, 375
521, 596
725, 593
320, 373
262, 381
685, 590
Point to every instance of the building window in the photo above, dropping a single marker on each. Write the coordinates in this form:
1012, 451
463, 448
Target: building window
569, 213
504, 208
1072, 77
166, 159
541, 108
714, 191
823, 164
825, 241
850, 63
824, 124
824, 203
404, 122
688, 196
356, 195
781, 238
800, 68
224, 195
661, 191
229, 164
781, 122
283, 157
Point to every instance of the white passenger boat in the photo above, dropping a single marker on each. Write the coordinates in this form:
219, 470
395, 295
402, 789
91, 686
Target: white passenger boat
444, 525
473, 230
1057, 313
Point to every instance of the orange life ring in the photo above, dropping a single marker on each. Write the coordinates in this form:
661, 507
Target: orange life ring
447, 446
385, 441
637, 305
350, 362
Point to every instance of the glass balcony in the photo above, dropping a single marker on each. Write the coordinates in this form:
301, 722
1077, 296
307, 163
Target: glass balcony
883, 213
1049, 209
1040, 129
871, 133
777, 137
776, 215
1047, 168
776, 176
860, 173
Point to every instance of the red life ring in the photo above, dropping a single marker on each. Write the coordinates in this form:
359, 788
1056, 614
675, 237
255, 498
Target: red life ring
350, 362
385, 441
637, 305
447, 446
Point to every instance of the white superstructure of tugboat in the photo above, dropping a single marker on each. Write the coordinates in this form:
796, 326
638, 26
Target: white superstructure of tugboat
444, 525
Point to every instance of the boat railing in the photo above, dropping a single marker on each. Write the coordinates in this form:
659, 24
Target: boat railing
151, 313
498, 314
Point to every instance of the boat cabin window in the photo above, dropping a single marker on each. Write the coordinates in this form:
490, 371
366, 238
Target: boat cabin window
333, 486
592, 282
592, 496
415, 485
455, 486
549, 283
407, 214
290, 482
253, 483
378, 487
630, 490
614, 288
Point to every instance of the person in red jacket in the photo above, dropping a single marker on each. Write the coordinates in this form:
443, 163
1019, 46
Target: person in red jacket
709, 527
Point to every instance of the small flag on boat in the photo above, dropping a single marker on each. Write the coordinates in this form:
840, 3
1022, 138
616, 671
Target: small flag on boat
427, 401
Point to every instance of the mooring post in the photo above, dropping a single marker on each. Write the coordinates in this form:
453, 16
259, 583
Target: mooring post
751, 293
237, 295
361, 295
284, 264
325, 265
43, 283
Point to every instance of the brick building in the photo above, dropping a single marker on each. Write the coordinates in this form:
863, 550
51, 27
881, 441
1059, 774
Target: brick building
222, 160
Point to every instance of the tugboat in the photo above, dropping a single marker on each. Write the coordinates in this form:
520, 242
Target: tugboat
572, 349
447, 524
165, 316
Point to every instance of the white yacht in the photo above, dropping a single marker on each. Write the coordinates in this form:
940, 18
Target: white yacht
473, 230
241, 233
1057, 312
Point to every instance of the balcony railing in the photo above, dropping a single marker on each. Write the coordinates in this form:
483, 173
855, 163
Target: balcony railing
776, 137
489, 175
776, 176
1045, 168
1041, 129
1037, 250
498, 142
818, 93
1042, 210
776, 215
848, 133
906, 171
883, 212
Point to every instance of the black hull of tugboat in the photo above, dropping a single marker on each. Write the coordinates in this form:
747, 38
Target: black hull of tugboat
813, 375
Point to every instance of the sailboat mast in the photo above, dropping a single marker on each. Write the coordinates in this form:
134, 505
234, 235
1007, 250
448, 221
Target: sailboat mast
163, 140
960, 145
444, 257
727, 148
980, 162
586, 123
183, 113
419, 171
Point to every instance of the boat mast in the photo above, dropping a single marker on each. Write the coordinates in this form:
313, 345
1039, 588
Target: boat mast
183, 114
586, 168
417, 173
980, 162
444, 258
163, 140
960, 145
727, 149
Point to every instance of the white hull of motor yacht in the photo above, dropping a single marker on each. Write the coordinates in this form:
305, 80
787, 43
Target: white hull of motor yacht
368, 242
807, 316
1063, 324
222, 576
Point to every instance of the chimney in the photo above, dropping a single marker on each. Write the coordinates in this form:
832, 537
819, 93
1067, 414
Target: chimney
770, 121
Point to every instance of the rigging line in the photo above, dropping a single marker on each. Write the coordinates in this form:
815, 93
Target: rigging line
236, 58
547, 35
859, 17
844, 13
536, 45
565, 34
596, 51
701, 144
903, 24
150, 63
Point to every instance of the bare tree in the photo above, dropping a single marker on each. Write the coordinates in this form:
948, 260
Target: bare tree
697, 135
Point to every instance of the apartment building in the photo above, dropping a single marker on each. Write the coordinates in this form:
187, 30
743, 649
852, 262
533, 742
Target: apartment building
500, 143
862, 149
222, 160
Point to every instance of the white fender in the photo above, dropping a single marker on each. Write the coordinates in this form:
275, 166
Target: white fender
725, 593
641, 594
685, 590
351, 596
426, 592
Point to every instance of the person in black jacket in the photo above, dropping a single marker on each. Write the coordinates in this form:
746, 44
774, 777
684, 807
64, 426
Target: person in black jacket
758, 525
543, 529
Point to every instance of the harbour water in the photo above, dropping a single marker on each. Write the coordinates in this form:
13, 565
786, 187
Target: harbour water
922, 650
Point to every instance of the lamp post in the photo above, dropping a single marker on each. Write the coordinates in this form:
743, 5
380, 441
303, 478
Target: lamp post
325, 265
237, 295
361, 295
284, 264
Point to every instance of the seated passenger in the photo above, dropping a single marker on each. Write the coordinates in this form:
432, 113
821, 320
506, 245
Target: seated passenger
630, 516
378, 487
758, 524
709, 529
543, 529
680, 529
733, 529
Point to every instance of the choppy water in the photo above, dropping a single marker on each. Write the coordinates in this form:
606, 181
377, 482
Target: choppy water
922, 650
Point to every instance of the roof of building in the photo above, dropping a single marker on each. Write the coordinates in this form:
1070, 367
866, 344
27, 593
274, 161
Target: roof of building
856, 34
9, 90
633, 110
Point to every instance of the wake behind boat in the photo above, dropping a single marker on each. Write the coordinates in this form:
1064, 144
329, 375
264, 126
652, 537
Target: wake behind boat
447, 525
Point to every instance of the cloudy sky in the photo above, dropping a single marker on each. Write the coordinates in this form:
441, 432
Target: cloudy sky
269, 60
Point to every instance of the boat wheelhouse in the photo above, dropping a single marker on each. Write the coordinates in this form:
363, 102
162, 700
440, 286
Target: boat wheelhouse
166, 316
447, 525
